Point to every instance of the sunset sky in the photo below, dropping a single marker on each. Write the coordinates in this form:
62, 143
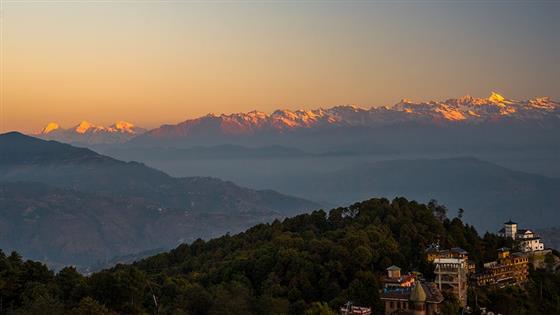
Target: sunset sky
160, 62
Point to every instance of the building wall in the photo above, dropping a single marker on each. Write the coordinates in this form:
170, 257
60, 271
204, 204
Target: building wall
432, 309
510, 230
531, 245
395, 305
506, 271
453, 278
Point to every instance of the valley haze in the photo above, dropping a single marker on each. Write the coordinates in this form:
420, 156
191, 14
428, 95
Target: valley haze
441, 150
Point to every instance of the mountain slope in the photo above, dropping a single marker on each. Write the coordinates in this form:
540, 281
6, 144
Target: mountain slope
71, 205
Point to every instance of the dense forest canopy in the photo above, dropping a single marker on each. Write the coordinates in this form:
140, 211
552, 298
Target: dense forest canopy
308, 264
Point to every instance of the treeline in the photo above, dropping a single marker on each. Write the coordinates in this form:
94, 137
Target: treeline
308, 264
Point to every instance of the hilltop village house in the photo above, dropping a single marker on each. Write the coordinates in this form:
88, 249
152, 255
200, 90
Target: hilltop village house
526, 240
409, 294
452, 276
508, 269
452, 270
434, 252
406, 294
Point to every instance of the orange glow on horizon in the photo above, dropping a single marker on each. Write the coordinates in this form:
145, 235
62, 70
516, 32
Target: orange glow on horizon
155, 63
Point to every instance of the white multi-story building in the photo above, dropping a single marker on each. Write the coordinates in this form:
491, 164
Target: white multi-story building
509, 230
527, 240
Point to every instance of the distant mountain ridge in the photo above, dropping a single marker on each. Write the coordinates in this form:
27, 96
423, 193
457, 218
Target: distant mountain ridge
221, 129
88, 133
466, 109
488, 192
481, 122
69, 205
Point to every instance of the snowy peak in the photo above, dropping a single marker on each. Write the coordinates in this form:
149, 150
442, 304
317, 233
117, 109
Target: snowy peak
88, 133
472, 109
543, 103
124, 127
497, 98
463, 110
85, 126
50, 127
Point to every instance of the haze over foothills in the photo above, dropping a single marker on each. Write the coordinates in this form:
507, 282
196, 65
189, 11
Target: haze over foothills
164, 62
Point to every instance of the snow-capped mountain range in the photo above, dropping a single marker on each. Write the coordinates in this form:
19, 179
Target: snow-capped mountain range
88, 133
466, 110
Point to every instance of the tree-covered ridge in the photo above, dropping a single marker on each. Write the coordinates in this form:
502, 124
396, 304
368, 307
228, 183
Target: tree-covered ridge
289, 267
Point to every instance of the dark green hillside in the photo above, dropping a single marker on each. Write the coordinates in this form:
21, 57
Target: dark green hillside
279, 268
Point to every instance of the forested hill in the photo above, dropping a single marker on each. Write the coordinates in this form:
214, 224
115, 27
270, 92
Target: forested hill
278, 268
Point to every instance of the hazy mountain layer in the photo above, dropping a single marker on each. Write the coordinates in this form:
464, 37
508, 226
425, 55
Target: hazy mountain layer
70, 205
551, 237
488, 192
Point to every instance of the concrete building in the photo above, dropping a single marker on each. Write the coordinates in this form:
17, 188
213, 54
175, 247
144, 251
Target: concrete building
395, 279
526, 240
510, 229
452, 276
434, 252
529, 241
508, 269
405, 294
424, 298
